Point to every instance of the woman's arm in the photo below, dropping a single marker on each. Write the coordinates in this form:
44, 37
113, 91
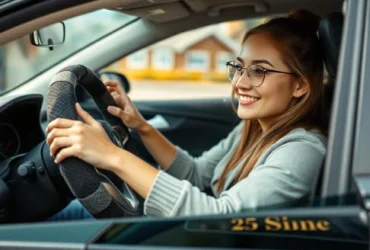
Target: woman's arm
285, 177
198, 171
161, 149
138, 174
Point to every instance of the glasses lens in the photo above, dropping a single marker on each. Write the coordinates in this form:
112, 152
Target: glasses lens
256, 74
232, 70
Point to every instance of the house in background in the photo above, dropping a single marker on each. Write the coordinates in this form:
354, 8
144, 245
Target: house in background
195, 55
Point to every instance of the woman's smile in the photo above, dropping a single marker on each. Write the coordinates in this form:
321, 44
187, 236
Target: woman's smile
246, 100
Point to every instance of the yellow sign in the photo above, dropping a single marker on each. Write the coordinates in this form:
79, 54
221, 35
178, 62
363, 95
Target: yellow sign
279, 224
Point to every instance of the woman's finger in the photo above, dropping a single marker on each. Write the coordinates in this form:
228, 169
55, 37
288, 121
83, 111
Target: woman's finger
86, 117
114, 94
111, 89
111, 83
66, 152
124, 100
118, 88
116, 112
118, 101
122, 114
57, 132
60, 142
61, 123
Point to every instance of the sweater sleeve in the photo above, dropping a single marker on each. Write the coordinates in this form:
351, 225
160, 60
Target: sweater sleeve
199, 171
286, 176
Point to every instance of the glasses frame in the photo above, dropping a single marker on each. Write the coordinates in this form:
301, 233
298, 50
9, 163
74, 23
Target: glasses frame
240, 68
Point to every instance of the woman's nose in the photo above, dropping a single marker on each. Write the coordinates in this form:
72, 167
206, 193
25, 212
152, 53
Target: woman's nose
244, 81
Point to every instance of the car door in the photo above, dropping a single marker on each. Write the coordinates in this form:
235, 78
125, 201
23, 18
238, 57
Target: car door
360, 171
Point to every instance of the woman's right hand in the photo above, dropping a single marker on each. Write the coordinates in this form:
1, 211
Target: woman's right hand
125, 110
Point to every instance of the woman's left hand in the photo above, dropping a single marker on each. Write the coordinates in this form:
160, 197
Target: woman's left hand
85, 140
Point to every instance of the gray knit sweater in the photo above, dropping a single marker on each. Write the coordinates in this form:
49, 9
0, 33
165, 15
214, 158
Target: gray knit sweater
284, 174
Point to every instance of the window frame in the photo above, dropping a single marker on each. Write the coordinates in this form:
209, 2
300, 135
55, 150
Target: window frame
341, 145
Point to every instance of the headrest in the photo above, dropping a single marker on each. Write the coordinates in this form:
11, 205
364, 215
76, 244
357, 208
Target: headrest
330, 35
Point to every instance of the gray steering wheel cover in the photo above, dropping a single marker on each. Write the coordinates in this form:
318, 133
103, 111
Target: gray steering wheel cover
97, 201
64, 76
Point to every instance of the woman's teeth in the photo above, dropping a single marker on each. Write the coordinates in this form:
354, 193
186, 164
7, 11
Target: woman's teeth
248, 99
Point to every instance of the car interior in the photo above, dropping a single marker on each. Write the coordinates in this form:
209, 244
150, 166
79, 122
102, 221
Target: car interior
40, 195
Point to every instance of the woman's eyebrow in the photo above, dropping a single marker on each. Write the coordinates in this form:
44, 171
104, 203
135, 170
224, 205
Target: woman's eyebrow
240, 60
262, 61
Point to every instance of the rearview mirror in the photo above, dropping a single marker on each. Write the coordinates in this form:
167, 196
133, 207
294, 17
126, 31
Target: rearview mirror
50, 36
111, 75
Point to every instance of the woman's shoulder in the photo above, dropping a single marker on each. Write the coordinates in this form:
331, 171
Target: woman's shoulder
312, 137
298, 145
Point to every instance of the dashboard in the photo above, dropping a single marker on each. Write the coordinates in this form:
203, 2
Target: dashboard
31, 187
10, 141
20, 128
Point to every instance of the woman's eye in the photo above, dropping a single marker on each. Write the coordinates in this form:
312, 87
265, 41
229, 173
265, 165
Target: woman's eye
258, 71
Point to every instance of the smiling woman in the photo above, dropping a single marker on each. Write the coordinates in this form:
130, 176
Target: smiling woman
281, 88
20, 56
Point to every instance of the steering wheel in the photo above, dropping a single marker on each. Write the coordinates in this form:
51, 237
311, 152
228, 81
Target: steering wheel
96, 192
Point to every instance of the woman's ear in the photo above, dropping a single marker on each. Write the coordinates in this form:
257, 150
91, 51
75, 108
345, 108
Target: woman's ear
302, 87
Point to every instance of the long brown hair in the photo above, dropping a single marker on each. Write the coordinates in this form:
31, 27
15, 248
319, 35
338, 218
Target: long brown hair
295, 36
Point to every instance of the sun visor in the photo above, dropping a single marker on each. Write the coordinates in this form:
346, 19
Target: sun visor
159, 13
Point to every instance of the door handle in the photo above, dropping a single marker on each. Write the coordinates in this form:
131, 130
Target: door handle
159, 122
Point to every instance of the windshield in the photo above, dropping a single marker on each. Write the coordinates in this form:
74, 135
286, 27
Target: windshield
20, 61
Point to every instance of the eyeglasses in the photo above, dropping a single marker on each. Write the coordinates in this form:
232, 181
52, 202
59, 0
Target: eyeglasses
255, 73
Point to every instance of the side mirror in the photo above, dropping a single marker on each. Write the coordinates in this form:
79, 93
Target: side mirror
49, 36
111, 75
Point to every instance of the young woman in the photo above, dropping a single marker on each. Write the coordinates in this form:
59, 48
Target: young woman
270, 159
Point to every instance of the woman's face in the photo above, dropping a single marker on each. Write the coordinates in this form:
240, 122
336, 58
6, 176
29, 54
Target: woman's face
277, 91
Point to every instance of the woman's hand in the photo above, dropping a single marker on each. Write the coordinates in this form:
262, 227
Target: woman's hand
86, 140
126, 111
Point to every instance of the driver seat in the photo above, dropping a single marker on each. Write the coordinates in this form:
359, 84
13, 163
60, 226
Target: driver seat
330, 36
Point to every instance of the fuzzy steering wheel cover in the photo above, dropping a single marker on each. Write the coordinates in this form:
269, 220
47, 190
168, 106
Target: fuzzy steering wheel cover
95, 191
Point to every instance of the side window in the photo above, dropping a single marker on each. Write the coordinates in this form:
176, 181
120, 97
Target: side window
191, 64
20, 61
